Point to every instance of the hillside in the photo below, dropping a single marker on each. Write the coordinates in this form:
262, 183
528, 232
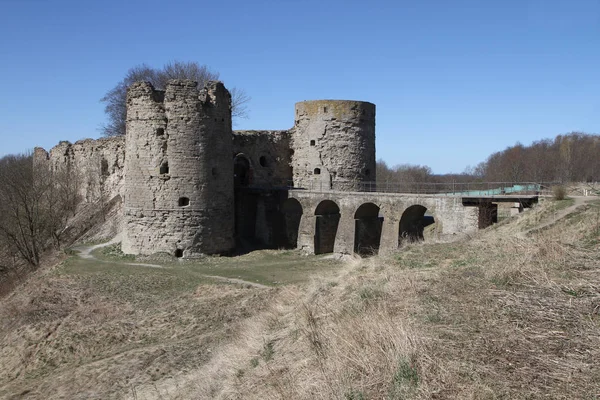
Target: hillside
510, 313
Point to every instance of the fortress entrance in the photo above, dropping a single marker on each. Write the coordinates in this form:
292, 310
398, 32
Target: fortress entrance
327, 219
413, 223
244, 202
242, 173
292, 213
367, 229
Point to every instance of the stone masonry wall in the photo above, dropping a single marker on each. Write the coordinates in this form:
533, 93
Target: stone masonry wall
96, 165
451, 216
178, 195
268, 153
333, 143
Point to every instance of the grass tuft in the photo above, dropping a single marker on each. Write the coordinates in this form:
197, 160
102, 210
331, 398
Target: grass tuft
559, 192
404, 381
268, 351
354, 395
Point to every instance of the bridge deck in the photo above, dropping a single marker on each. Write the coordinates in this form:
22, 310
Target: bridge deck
500, 198
526, 201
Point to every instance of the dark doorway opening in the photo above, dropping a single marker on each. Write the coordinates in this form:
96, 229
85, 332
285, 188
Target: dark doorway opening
292, 214
488, 215
327, 220
242, 173
367, 229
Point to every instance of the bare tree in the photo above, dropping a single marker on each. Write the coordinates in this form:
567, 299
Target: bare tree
20, 207
61, 198
115, 99
35, 203
384, 172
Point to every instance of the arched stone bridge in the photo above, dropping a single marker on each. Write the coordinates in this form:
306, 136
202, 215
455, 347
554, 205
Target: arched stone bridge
367, 222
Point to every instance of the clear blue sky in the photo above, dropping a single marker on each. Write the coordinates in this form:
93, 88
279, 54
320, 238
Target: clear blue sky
453, 81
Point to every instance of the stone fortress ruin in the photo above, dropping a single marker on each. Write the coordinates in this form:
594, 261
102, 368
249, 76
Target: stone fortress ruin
187, 184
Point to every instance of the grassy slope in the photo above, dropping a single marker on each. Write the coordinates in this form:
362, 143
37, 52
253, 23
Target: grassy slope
504, 315
99, 329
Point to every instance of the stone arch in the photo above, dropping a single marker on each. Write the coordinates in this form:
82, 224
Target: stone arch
327, 218
292, 214
413, 222
242, 170
367, 229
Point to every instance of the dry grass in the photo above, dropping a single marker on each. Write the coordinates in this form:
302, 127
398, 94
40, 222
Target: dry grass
336, 339
511, 313
68, 336
500, 316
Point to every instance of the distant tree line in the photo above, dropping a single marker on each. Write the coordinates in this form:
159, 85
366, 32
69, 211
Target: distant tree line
403, 173
574, 157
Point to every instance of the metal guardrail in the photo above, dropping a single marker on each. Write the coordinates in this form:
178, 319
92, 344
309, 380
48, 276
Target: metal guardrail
439, 188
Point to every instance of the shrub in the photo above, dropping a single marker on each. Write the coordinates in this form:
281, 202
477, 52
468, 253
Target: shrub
559, 192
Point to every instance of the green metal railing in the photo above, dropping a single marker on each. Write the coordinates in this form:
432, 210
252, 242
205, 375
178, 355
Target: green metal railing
437, 188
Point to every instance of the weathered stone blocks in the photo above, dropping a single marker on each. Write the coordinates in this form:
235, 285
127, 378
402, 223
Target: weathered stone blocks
178, 195
95, 166
333, 144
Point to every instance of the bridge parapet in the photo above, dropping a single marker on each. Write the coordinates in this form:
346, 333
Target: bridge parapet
471, 189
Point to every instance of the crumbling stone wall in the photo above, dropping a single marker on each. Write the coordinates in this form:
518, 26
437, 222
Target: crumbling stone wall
178, 195
333, 143
269, 156
96, 166
175, 168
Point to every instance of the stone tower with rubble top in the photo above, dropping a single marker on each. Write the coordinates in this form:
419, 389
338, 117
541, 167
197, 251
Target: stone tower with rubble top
178, 185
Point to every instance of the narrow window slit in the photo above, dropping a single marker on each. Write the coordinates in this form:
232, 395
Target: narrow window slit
164, 168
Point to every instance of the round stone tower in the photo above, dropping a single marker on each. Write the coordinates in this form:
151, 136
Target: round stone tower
178, 189
333, 144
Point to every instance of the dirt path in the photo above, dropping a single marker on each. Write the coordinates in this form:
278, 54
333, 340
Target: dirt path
235, 280
579, 201
85, 252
